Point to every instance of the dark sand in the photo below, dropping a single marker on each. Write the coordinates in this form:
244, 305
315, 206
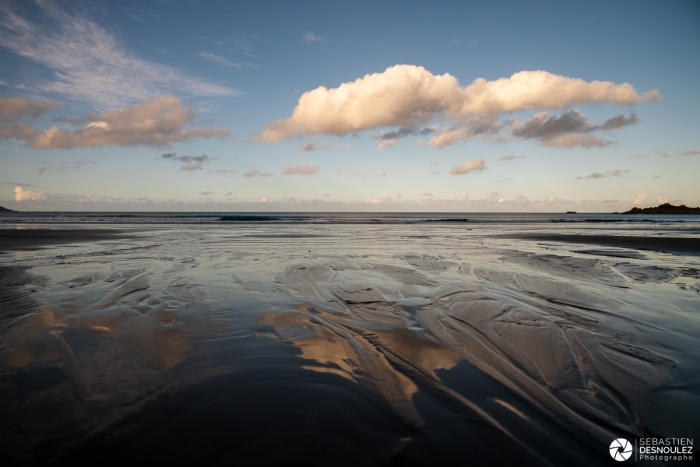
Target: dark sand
678, 245
32, 239
352, 345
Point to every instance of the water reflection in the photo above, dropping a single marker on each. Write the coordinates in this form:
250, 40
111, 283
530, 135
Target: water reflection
320, 349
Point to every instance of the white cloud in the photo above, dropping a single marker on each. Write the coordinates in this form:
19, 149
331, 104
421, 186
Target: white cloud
469, 166
311, 37
151, 122
449, 136
409, 96
386, 144
691, 153
381, 175
493, 198
28, 195
661, 199
89, 64
385, 199
302, 169
640, 199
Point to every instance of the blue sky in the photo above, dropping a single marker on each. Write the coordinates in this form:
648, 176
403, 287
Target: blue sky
327, 106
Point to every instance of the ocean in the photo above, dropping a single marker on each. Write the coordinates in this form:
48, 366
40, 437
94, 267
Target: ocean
338, 218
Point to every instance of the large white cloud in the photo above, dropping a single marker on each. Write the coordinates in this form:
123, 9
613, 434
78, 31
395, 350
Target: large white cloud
151, 122
409, 95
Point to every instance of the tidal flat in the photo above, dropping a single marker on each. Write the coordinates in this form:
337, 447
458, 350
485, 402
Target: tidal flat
345, 344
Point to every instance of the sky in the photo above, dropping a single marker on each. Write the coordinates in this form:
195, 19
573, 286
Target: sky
465, 106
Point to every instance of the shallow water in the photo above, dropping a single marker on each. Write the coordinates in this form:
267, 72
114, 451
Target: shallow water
341, 344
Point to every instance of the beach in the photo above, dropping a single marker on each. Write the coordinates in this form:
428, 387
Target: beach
346, 340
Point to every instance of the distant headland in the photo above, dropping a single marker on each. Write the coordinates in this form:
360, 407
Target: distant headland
6, 210
665, 208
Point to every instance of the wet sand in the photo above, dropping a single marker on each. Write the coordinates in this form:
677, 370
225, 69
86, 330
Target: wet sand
669, 244
28, 239
342, 345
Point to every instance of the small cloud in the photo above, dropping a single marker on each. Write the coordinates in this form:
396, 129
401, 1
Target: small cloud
470, 166
661, 199
662, 154
311, 37
221, 171
596, 175
387, 143
428, 194
251, 173
205, 193
404, 132
658, 176
61, 167
189, 163
621, 121
326, 194
509, 158
385, 199
691, 153
218, 59
301, 170
28, 195
568, 130
308, 147
381, 175
640, 199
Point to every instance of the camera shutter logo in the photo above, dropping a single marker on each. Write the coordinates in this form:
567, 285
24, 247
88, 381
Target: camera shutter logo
620, 449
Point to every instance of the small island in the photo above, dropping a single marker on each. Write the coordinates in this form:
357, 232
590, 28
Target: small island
6, 210
665, 208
